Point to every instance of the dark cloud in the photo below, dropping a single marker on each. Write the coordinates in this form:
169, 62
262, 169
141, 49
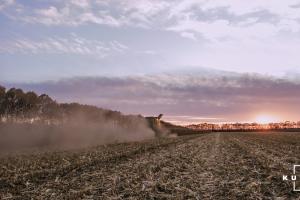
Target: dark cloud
228, 96
224, 13
296, 6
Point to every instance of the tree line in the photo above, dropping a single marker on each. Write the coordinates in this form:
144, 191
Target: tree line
17, 104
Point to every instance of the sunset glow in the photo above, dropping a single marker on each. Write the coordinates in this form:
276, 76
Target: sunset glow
265, 119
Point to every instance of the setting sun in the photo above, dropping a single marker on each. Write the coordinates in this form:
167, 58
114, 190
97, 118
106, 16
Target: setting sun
265, 119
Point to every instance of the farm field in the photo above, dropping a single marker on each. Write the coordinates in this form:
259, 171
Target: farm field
207, 166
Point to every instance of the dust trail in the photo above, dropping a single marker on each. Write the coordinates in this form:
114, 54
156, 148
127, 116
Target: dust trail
76, 133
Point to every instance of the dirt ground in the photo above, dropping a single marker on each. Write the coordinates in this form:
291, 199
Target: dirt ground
208, 166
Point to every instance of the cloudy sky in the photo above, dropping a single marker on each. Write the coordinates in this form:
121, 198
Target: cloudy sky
209, 60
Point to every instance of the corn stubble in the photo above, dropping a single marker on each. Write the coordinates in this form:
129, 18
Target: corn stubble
208, 166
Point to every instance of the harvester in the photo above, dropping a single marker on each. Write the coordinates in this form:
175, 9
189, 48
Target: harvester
156, 125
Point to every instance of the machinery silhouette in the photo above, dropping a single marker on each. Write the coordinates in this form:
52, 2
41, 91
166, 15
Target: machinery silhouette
156, 125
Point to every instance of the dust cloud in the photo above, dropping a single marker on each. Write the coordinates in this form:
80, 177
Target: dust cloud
76, 132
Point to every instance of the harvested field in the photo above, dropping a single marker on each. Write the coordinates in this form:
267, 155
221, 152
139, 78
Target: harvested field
207, 166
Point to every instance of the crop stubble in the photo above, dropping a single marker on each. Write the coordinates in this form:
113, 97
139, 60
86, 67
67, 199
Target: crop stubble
208, 166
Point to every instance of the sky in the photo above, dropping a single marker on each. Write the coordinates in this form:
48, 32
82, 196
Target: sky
193, 60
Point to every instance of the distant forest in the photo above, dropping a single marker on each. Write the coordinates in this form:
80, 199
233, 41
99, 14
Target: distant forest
17, 105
